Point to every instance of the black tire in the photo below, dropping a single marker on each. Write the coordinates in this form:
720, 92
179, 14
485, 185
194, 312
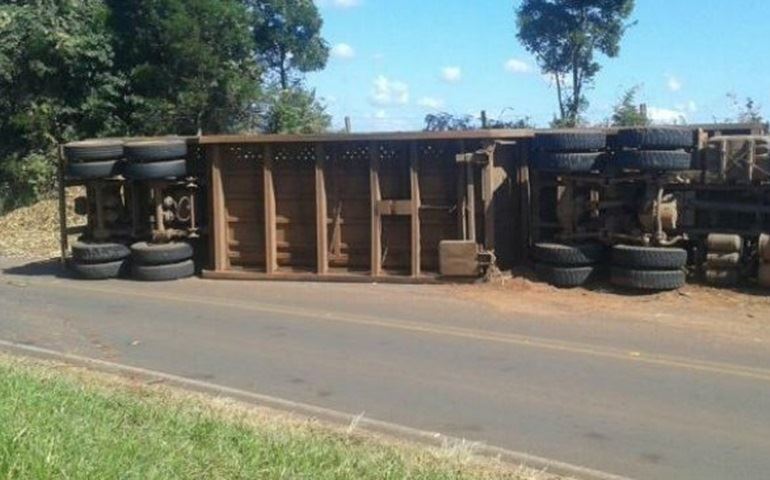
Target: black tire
563, 277
144, 253
649, 258
93, 150
578, 141
655, 138
654, 160
567, 162
94, 170
156, 150
99, 271
156, 170
90, 253
648, 279
568, 255
163, 273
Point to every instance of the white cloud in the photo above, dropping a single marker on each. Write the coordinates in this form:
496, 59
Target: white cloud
690, 107
380, 114
674, 84
338, 3
431, 103
514, 65
343, 51
667, 116
451, 74
388, 92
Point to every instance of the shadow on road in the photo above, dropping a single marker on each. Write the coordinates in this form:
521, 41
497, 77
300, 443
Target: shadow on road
39, 268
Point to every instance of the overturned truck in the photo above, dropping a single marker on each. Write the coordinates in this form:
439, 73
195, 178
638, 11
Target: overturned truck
656, 205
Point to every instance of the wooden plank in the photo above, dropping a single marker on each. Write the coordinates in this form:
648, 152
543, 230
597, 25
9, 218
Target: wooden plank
470, 186
462, 222
375, 195
219, 212
271, 249
322, 239
414, 175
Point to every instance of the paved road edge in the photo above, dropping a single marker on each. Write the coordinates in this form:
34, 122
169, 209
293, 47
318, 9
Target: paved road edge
367, 424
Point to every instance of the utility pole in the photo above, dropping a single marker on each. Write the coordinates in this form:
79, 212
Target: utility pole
484, 124
348, 125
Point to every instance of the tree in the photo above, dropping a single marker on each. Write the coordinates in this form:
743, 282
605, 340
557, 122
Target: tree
748, 111
626, 113
564, 36
444, 122
288, 37
189, 64
56, 84
296, 111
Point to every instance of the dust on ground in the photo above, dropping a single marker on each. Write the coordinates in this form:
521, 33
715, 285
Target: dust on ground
742, 313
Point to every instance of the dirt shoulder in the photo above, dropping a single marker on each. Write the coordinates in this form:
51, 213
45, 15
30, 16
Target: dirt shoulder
739, 314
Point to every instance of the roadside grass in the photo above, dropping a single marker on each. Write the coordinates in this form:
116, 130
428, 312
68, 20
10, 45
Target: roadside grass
59, 421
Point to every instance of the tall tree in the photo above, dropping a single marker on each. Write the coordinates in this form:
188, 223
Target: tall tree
189, 64
295, 111
288, 37
56, 84
626, 113
564, 36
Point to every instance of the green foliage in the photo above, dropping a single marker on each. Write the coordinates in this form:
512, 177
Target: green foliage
565, 36
626, 113
296, 111
446, 122
56, 84
288, 37
189, 64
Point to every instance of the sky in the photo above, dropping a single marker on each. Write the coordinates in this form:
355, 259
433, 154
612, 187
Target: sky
394, 61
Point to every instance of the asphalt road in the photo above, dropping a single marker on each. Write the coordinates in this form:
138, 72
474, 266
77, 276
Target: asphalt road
623, 397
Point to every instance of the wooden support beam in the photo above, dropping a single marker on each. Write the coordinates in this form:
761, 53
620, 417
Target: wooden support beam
375, 197
470, 186
462, 224
492, 178
63, 238
271, 243
322, 238
218, 237
414, 175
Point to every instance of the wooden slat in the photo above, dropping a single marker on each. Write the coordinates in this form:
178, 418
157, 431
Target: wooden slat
219, 210
375, 195
414, 175
322, 241
271, 249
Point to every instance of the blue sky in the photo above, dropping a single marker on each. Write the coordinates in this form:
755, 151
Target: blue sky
394, 61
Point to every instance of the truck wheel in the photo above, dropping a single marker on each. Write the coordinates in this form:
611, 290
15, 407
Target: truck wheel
156, 150
156, 170
92, 170
648, 279
570, 141
90, 253
93, 150
656, 138
568, 255
99, 271
764, 247
163, 273
649, 258
654, 160
722, 277
724, 243
144, 253
567, 162
563, 277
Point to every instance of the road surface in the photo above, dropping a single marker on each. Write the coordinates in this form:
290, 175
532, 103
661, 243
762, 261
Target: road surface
602, 391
